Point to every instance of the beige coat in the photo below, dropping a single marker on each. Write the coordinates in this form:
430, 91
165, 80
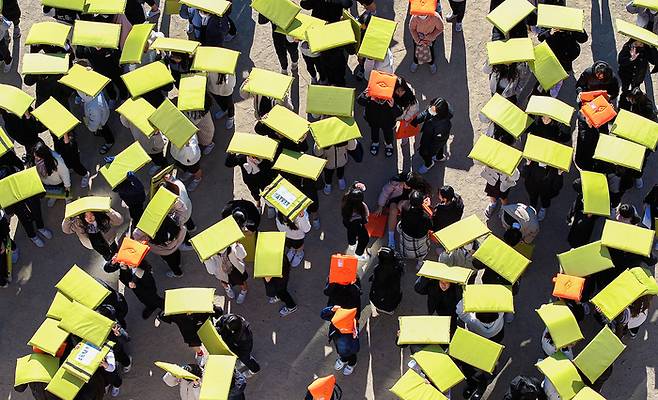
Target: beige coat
336, 156
74, 225
179, 209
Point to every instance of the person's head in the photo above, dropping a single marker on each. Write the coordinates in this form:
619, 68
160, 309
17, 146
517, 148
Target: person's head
401, 87
503, 136
545, 119
43, 154
625, 213
233, 324
602, 71
415, 181
176, 57
194, 369
416, 199
352, 201
635, 95
401, 179
440, 108
107, 311
89, 217
487, 317
386, 256
513, 235
446, 194
444, 285
640, 305
239, 218
507, 71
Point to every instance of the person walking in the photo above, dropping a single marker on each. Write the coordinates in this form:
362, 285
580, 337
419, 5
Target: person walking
354, 212
385, 289
456, 17
228, 266
448, 210
220, 87
442, 297
276, 289
425, 29
518, 216
295, 231
53, 172
96, 230
140, 280
344, 333
435, 132
337, 159
236, 333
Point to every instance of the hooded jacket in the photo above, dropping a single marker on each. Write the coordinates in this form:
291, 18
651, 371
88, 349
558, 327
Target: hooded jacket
588, 81
446, 214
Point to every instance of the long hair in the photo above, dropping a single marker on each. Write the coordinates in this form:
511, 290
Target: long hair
102, 220
352, 203
641, 304
416, 182
286, 221
408, 97
507, 71
43, 152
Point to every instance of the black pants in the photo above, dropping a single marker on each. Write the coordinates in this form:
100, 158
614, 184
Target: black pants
329, 174
112, 378
70, 154
428, 153
431, 53
98, 243
226, 104
190, 225
5, 54
358, 234
107, 134
173, 261
4, 268
121, 352
387, 132
250, 362
458, 9
313, 67
283, 47
285, 297
29, 215
135, 210
350, 360
158, 159
149, 297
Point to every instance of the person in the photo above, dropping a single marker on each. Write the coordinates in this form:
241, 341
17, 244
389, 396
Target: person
220, 87
131, 192
166, 242
507, 80
633, 59
448, 210
154, 145
182, 208
435, 132
8, 251
96, 230
634, 316
53, 172
212, 29
344, 332
119, 336
256, 173
404, 98
283, 47
620, 180
645, 17
97, 114
179, 64
140, 280
581, 225
564, 44
442, 297
518, 216
525, 388
347, 296
110, 374
636, 101
380, 115
188, 389
245, 213
385, 291
228, 267
414, 227
11, 11
189, 325
456, 17
520, 30
354, 212
334, 64
203, 120
187, 159
330, 11
324, 388
276, 289
337, 159
23, 129
295, 230
598, 77
312, 61
5, 41
497, 188
236, 333
425, 29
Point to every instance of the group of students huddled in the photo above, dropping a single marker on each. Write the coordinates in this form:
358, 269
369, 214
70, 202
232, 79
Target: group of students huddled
82, 349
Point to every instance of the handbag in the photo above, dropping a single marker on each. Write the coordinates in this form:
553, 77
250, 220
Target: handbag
423, 54
357, 153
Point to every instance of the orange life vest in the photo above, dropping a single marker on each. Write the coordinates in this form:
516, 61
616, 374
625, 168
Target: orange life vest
322, 388
132, 252
568, 287
342, 269
381, 85
344, 320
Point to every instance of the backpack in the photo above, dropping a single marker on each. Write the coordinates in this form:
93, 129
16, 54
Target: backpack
385, 292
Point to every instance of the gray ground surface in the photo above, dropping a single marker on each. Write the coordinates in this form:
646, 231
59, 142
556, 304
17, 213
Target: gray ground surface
294, 350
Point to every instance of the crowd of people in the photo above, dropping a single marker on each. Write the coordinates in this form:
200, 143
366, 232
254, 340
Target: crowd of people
173, 119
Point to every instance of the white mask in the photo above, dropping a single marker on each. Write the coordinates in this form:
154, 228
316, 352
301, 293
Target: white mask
423, 17
432, 111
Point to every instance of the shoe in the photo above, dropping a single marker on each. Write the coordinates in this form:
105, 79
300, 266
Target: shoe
541, 214
208, 149
639, 183
364, 257
631, 334
342, 184
105, 147
154, 170
491, 208
339, 364
374, 149
316, 225
147, 312
468, 392
220, 114
451, 18
458, 27
284, 71
249, 374
84, 182
433, 69
388, 150
327, 189
271, 213
290, 254
193, 185
423, 169
294, 67
37, 241
285, 311
170, 274
128, 367
297, 259
478, 394
114, 391
439, 159
185, 176
51, 202
45, 232
4, 285
241, 296
230, 123
185, 247
273, 300
413, 67
348, 370
229, 293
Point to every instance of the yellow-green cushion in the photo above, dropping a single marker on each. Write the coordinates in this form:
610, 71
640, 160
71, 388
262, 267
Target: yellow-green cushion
501, 258
461, 232
133, 47
286, 123
65, 385
20, 186
35, 368
280, 12
548, 152
54, 116
86, 324
110, 7
14, 100
635, 32
156, 211
285, 197
546, 67
563, 18
300, 164
85, 80
177, 371
268, 83
88, 203
551, 107
175, 44
645, 276
333, 130
636, 128
253, 145
412, 386
96, 34
147, 78
58, 306
137, 111
217, 7
650, 4
192, 92
221, 368
488, 298
76, 5
78, 285
425, 329
377, 39
509, 13
132, 158
596, 195
215, 59
268, 261
356, 27
587, 393
510, 51
48, 337
439, 367
475, 350
330, 100
585, 260
627, 237
48, 32
506, 115
216, 238
599, 354
212, 340
189, 300
44, 64
620, 152
330, 36
173, 124
561, 324
440, 271
619, 294
298, 27
562, 374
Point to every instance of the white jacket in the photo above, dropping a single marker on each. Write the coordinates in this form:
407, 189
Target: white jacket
189, 154
220, 89
97, 111
476, 326
59, 176
236, 258
385, 65
303, 226
189, 390
152, 145
506, 181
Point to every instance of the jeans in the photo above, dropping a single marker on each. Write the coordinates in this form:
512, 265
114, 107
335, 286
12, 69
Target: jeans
358, 234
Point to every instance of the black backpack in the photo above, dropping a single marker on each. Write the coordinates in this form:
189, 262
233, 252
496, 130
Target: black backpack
385, 292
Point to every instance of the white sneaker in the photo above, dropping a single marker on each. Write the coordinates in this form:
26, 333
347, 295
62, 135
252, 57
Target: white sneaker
241, 296
114, 391
285, 311
84, 182
342, 184
37, 241
297, 259
541, 214
639, 183
290, 254
273, 300
154, 170
51, 202
127, 368
351, 248
208, 149
348, 370
327, 189
45, 232
229, 293
230, 123
364, 257
284, 71
339, 364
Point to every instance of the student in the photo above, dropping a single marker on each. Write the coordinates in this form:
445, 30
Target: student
347, 296
5, 52
323, 387
153, 145
283, 47
105, 61
355, 217
414, 227
525, 388
507, 80
380, 115
435, 132
188, 389
11, 11
110, 374
97, 114
188, 325
448, 210
442, 297
312, 61
188, 158
334, 64
236, 333
425, 29
96, 230
633, 59
228, 267
645, 17
497, 187
276, 290
53, 172
203, 120
220, 87
167, 241
564, 44
581, 225
620, 180
140, 280
179, 64
520, 30
404, 98
457, 15
245, 213
518, 216
344, 332
256, 173
119, 336
639, 103
23, 129
598, 77
295, 231
634, 316
336, 157
385, 291
330, 11
212, 29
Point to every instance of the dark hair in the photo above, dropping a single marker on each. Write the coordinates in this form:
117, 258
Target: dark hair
626, 211
107, 310
352, 202
447, 192
507, 71
512, 236
42, 151
416, 199
416, 182
442, 108
502, 136
408, 98
486, 317
193, 369
239, 218
102, 221
233, 323
168, 230
286, 221
641, 304
601, 67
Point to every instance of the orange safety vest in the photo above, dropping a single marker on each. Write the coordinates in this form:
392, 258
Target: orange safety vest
598, 111
132, 252
322, 388
381, 85
586, 97
342, 269
568, 287
344, 320
422, 7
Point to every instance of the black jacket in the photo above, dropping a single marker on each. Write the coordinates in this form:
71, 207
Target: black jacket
554, 131
24, 130
241, 343
588, 82
11, 10
328, 10
346, 296
131, 191
48, 85
378, 112
385, 292
438, 301
633, 72
247, 208
436, 131
447, 214
565, 45
415, 222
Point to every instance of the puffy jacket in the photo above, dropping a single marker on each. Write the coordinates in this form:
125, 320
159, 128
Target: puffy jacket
446, 214
60, 176
189, 154
506, 181
525, 216
75, 225
336, 156
565, 45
